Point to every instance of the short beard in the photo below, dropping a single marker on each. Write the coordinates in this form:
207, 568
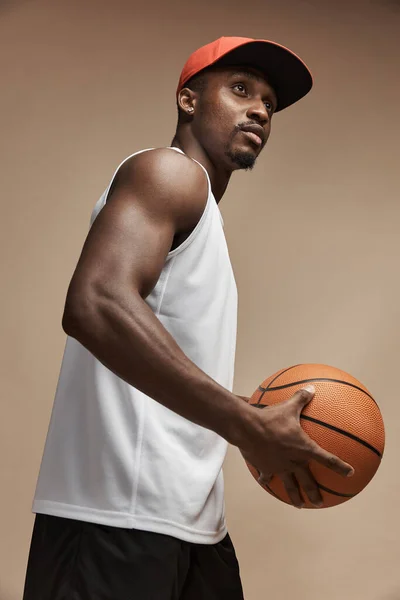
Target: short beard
244, 160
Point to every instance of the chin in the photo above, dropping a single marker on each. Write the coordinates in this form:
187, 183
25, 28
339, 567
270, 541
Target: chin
242, 159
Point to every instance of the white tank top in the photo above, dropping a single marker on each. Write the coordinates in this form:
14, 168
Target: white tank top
117, 457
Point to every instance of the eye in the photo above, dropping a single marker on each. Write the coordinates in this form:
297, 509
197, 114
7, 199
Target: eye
269, 107
240, 85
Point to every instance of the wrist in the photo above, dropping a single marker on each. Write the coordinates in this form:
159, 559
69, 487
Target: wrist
243, 425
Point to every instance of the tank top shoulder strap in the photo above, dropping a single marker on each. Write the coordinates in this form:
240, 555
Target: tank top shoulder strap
208, 181
196, 161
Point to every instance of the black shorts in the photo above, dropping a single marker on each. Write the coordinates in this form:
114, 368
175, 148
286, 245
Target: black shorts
75, 560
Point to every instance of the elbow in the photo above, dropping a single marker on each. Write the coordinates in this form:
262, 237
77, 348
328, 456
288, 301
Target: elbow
71, 321
68, 323
76, 313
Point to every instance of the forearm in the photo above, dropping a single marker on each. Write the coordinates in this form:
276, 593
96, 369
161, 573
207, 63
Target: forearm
129, 340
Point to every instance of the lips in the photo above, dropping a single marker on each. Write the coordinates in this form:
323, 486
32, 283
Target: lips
253, 137
255, 133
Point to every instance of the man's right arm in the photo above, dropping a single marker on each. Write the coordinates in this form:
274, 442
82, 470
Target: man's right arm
157, 195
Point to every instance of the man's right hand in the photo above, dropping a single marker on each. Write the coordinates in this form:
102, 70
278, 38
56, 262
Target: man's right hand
279, 446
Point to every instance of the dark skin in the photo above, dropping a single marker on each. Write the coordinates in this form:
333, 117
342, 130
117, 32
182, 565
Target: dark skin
235, 97
155, 202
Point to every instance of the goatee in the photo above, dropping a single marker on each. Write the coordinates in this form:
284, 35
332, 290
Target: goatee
244, 160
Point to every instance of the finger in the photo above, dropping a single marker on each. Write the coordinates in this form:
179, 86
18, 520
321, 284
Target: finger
308, 484
331, 461
264, 479
302, 397
292, 489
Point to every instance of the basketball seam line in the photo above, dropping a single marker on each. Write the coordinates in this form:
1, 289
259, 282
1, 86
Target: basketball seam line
274, 379
326, 489
286, 385
333, 428
343, 432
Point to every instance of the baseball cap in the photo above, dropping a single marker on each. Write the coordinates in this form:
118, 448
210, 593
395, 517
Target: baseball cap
284, 70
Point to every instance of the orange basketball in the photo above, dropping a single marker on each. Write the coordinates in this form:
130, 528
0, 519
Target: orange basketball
343, 418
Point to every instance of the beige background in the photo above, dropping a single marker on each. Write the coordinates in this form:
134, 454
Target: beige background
313, 235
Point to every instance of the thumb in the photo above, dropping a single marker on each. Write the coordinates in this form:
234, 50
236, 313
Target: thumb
303, 397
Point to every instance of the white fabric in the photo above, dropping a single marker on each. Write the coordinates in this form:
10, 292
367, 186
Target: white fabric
117, 457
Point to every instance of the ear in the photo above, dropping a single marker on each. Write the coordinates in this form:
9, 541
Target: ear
187, 101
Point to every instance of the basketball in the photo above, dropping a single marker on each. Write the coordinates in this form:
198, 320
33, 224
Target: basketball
343, 418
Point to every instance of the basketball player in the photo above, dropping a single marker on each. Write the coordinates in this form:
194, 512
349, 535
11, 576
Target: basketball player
130, 500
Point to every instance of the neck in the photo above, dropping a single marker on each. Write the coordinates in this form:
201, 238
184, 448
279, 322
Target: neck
219, 176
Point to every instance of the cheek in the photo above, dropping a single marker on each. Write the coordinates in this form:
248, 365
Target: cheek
214, 123
220, 114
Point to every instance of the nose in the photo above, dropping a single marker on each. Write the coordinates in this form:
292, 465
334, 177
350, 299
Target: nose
258, 112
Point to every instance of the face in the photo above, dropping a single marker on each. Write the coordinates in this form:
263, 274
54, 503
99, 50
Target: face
235, 99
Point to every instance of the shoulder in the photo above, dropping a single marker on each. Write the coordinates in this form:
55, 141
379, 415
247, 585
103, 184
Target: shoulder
163, 178
165, 169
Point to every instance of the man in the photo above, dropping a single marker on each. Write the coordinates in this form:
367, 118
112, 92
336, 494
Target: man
129, 500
